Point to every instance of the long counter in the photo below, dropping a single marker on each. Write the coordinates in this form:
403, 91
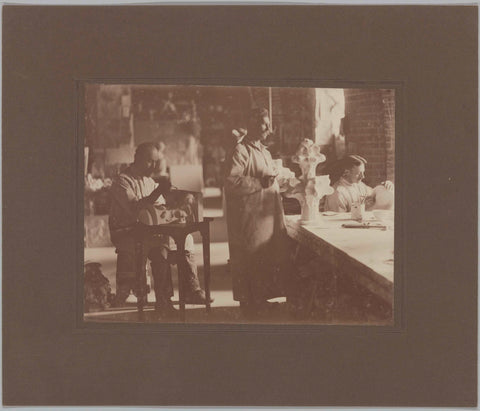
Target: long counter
365, 254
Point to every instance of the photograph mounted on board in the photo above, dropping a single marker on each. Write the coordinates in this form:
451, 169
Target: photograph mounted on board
236, 204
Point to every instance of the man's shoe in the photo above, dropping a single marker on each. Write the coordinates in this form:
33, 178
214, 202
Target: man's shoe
197, 297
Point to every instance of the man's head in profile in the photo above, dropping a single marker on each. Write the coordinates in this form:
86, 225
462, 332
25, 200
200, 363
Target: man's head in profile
353, 168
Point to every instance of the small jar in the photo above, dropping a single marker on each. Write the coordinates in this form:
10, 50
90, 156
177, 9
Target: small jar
358, 211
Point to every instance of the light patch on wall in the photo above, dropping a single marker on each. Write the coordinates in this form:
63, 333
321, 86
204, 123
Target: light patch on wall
329, 111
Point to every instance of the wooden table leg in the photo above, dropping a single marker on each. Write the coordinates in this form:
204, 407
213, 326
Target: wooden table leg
206, 262
141, 277
180, 242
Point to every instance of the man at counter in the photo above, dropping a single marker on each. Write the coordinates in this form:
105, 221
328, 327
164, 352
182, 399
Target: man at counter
350, 188
255, 221
132, 190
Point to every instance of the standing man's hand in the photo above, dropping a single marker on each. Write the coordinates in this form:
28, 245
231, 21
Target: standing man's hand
267, 181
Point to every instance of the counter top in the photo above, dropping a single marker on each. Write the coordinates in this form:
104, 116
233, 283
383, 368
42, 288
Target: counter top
365, 253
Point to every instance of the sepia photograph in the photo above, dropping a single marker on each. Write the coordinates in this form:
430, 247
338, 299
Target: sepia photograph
238, 204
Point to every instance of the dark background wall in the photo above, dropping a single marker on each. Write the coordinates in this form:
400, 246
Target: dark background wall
208, 114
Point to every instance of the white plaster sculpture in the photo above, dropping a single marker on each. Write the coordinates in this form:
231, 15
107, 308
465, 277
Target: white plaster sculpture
309, 188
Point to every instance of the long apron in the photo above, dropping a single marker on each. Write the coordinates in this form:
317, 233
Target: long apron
258, 241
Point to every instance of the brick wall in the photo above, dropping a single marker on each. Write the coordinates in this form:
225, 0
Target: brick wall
389, 121
369, 128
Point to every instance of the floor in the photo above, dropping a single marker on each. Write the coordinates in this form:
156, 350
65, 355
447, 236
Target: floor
224, 308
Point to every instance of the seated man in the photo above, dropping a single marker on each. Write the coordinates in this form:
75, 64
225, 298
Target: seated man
131, 191
350, 189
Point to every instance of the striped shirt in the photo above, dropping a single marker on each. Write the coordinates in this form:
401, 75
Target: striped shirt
127, 190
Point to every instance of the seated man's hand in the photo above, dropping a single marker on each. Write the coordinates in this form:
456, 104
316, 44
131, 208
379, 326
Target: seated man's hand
267, 181
389, 185
162, 188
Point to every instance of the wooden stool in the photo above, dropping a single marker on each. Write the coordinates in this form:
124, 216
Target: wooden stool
179, 232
